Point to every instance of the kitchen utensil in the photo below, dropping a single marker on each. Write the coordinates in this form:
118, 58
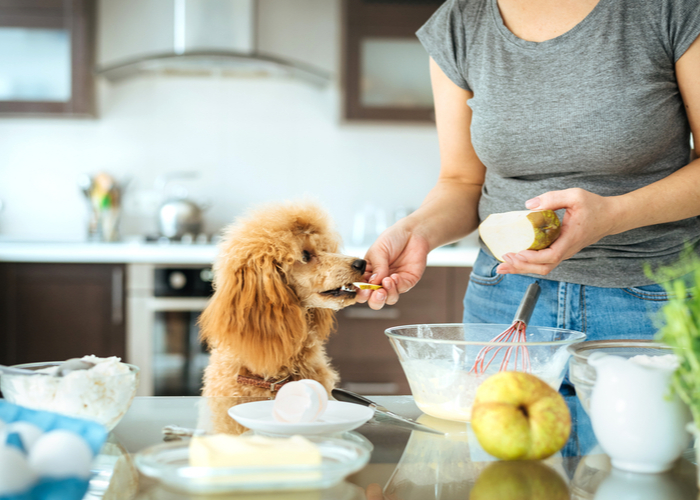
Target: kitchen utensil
351, 397
636, 418
516, 334
63, 369
175, 432
583, 376
437, 360
180, 216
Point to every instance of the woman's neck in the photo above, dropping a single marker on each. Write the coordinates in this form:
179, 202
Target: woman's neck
541, 20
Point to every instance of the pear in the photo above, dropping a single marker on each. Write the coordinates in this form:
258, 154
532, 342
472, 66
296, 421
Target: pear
512, 232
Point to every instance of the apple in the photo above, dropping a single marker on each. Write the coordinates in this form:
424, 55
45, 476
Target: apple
512, 232
521, 481
517, 416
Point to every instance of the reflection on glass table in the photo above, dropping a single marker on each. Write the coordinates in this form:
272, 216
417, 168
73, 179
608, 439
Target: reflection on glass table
407, 464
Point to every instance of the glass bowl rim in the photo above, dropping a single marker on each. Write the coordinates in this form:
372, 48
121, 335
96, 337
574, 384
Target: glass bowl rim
577, 350
577, 336
46, 364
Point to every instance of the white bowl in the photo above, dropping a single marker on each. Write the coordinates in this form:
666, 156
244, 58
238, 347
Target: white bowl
438, 361
82, 394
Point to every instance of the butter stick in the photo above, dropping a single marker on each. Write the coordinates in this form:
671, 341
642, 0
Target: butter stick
225, 450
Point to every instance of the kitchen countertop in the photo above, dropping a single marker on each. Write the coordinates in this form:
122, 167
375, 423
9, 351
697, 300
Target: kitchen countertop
174, 253
410, 465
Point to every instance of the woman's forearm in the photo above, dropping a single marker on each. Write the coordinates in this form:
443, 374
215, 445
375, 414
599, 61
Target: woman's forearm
448, 213
673, 198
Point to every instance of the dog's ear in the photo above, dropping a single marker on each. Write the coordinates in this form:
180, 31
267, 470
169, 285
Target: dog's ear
254, 314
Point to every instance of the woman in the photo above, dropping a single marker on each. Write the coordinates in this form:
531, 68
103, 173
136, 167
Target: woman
582, 107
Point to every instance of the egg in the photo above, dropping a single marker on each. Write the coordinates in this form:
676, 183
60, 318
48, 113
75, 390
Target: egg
16, 476
28, 433
300, 402
61, 454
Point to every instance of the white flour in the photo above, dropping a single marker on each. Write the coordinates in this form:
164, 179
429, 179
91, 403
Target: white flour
667, 361
102, 393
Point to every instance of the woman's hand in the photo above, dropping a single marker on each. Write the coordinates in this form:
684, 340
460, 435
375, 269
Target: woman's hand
397, 261
588, 218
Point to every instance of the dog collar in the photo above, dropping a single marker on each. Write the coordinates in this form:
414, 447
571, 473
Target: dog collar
271, 385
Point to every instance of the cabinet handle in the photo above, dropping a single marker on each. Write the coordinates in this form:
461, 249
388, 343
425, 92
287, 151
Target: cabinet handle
367, 313
117, 295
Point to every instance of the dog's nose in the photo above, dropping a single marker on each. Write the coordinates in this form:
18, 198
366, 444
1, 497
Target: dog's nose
360, 265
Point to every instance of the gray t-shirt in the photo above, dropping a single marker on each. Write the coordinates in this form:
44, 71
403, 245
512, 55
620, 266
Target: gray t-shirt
596, 108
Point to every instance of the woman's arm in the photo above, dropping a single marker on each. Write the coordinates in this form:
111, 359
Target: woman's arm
590, 217
449, 212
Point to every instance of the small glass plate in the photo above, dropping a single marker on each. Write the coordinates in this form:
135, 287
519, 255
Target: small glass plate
169, 463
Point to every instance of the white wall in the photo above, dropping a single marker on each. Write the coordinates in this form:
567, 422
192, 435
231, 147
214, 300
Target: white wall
251, 141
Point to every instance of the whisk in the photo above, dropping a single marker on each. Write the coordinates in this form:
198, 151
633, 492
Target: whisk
516, 333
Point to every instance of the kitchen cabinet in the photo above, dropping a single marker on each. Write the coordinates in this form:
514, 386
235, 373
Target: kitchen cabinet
362, 353
385, 68
51, 312
46, 57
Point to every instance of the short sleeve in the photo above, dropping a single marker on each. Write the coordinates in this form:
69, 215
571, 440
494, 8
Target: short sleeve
444, 38
683, 19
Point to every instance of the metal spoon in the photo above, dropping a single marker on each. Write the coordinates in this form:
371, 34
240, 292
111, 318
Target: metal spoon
64, 368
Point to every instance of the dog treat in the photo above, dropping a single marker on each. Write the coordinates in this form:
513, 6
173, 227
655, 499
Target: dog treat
301, 401
226, 450
367, 286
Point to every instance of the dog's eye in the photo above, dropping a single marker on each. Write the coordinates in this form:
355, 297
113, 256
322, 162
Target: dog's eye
305, 256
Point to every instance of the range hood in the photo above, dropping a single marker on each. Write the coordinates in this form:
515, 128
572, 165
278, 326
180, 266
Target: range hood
190, 37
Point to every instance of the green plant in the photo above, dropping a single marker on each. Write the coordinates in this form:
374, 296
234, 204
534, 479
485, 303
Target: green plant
680, 326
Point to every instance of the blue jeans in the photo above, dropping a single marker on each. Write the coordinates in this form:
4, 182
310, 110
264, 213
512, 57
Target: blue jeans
600, 313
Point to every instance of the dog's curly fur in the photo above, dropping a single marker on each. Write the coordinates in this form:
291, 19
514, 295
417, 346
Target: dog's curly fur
269, 317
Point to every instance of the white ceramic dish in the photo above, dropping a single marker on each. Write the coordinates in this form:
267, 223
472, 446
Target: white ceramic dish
169, 463
338, 417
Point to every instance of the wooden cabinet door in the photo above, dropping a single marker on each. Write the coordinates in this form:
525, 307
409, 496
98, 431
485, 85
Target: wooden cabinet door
362, 352
54, 40
385, 69
52, 312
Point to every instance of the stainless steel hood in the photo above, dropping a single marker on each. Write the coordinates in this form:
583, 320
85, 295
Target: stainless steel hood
190, 37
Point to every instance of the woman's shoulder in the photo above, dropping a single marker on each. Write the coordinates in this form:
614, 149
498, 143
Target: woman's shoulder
466, 11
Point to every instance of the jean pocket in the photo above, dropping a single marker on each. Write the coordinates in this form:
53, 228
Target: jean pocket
484, 270
656, 293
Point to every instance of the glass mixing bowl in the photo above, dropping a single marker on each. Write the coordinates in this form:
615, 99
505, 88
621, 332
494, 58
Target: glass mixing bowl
582, 375
438, 359
83, 393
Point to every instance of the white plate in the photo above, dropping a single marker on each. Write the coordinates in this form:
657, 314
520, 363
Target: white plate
169, 463
338, 417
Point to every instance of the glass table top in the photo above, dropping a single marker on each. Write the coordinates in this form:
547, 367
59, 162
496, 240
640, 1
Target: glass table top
405, 464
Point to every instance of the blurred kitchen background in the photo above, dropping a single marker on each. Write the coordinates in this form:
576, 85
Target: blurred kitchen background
329, 99
133, 131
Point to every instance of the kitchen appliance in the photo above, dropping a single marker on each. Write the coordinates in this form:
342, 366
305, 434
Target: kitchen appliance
178, 217
164, 304
211, 37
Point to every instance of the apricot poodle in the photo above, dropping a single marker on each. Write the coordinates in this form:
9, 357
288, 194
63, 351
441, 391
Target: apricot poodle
277, 282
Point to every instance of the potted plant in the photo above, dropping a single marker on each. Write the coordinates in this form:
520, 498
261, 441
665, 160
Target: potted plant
680, 329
